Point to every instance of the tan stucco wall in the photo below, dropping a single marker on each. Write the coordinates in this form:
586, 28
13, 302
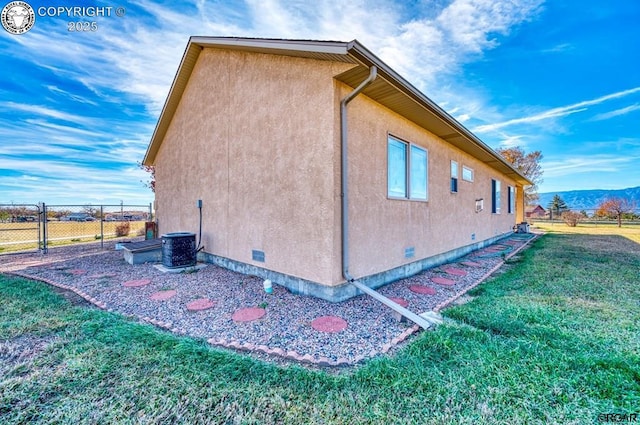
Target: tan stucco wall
381, 228
257, 138
252, 137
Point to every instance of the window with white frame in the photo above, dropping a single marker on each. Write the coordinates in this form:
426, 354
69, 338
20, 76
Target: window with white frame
512, 200
406, 170
495, 196
418, 173
467, 174
396, 168
454, 176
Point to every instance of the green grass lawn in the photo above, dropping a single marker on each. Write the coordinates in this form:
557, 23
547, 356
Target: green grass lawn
554, 338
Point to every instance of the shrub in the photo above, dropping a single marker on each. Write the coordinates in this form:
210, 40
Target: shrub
123, 229
572, 218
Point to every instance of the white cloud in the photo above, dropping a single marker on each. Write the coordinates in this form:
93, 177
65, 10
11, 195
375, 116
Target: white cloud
592, 164
616, 113
132, 60
556, 112
559, 48
48, 112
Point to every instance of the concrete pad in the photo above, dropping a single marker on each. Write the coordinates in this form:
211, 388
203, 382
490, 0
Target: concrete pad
432, 317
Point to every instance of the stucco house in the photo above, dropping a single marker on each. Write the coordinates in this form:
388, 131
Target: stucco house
318, 165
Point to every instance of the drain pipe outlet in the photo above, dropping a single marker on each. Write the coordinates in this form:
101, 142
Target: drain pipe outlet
344, 164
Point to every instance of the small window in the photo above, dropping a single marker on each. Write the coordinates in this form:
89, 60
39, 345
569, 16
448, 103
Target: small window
495, 196
512, 200
397, 169
406, 170
418, 173
467, 174
454, 176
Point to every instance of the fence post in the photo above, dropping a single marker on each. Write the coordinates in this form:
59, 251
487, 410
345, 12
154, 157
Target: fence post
101, 226
43, 207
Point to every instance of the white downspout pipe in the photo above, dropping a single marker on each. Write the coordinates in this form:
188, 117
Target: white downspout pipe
344, 194
344, 164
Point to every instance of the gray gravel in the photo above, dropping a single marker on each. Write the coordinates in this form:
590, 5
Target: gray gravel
287, 323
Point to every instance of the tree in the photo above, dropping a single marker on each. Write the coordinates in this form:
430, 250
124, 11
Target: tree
151, 183
615, 208
557, 205
572, 218
91, 210
528, 164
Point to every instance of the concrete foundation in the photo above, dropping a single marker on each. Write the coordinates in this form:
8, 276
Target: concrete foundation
345, 291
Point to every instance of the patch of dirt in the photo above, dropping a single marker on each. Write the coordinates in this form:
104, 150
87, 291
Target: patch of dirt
464, 299
72, 297
21, 350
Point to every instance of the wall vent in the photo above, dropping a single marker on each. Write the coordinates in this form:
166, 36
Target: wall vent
257, 255
409, 252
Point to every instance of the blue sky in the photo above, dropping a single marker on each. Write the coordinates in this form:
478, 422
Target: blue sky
77, 109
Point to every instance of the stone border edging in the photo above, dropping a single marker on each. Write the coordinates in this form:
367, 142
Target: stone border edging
484, 277
290, 355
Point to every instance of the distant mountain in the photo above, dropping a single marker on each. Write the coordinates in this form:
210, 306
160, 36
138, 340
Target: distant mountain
590, 199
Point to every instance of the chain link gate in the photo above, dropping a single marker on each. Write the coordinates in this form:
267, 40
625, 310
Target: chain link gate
31, 227
21, 228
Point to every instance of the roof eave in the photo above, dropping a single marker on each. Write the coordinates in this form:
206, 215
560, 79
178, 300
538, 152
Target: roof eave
367, 58
352, 51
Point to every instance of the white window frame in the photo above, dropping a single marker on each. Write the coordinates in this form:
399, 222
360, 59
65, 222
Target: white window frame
455, 172
470, 173
495, 196
410, 168
401, 183
511, 194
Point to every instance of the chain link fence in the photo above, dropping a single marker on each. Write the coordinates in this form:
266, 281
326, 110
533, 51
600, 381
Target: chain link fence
31, 227
588, 216
20, 227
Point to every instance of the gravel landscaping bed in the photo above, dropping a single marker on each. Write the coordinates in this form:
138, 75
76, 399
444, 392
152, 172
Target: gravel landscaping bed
284, 328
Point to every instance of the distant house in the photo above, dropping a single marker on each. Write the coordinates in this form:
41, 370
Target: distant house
535, 212
317, 164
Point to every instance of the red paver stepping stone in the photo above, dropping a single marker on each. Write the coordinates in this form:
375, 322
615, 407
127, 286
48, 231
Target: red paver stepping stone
77, 272
329, 324
248, 314
422, 289
163, 295
136, 283
455, 272
443, 281
200, 304
471, 264
404, 303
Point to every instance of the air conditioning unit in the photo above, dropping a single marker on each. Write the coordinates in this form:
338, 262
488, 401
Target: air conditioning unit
179, 250
522, 227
